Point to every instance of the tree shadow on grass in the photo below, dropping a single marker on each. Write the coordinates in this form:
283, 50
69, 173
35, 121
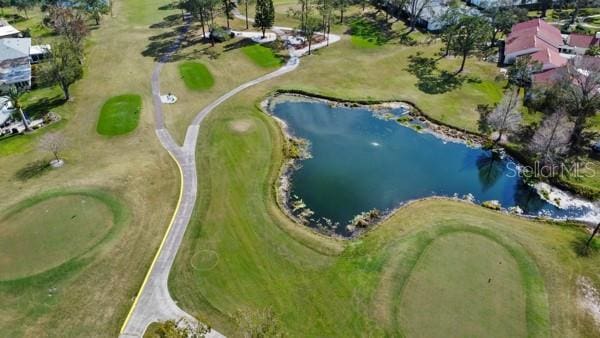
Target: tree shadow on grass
371, 28
162, 46
431, 79
238, 44
32, 169
581, 249
42, 106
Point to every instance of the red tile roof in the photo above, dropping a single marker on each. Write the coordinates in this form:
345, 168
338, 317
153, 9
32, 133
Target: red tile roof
547, 77
539, 28
583, 41
549, 56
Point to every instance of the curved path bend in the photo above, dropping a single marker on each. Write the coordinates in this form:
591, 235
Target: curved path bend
154, 302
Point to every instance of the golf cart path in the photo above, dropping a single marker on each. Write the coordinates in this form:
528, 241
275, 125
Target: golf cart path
154, 302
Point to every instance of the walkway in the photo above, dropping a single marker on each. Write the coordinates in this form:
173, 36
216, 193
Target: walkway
154, 303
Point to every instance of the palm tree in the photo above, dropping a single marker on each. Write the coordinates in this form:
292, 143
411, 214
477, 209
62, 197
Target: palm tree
15, 97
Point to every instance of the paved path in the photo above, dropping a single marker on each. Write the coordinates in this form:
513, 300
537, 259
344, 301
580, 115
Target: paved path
154, 303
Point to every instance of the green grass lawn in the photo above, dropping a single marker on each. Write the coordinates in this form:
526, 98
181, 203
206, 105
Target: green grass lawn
366, 33
381, 283
120, 115
196, 76
46, 231
262, 56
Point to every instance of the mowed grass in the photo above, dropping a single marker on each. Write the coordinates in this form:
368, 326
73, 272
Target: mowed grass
462, 280
259, 259
262, 56
135, 168
43, 233
196, 76
120, 115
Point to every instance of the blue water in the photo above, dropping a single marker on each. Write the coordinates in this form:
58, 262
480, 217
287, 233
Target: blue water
361, 162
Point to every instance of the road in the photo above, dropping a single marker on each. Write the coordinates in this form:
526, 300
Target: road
154, 302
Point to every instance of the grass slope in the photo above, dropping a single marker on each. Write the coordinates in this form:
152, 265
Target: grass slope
120, 115
262, 56
263, 260
196, 76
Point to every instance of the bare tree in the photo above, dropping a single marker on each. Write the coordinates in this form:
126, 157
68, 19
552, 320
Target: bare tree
414, 9
551, 139
54, 143
579, 89
505, 117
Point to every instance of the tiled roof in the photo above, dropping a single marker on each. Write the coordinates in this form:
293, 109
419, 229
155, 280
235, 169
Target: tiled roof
549, 56
533, 34
583, 41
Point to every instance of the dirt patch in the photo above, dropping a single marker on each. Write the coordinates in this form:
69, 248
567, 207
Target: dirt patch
589, 298
241, 126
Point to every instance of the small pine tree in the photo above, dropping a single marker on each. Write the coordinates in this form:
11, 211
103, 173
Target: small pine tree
265, 15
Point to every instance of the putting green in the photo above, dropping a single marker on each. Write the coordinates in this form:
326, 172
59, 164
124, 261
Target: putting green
464, 285
42, 233
120, 115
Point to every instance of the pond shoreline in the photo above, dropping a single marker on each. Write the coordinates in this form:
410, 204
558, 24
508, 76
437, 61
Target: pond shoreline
440, 130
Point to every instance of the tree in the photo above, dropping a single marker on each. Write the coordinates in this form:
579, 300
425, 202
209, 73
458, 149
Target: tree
265, 15
449, 20
69, 23
23, 5
258, 324
520, 74
341, 5
414, 9
54, 143
502, 18
63, 67
15, 94
246, 3
551, 139
589, 241
593, 51
312, 26
472, 32
181, 328
578, 88
95, 8
505, 117
228, 7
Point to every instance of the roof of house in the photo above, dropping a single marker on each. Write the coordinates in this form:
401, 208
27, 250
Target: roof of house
14, 48
521, 34
8, 30
548, 56
583, 41
546, 77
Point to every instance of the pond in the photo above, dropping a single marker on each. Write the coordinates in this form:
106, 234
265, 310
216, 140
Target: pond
360, 161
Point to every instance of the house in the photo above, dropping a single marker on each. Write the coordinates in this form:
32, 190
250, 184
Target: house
502, 3
536, 38
8, 31
578, 44
16, 57
15, 64
430, 17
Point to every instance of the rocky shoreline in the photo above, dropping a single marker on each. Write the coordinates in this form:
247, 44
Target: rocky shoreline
411, 117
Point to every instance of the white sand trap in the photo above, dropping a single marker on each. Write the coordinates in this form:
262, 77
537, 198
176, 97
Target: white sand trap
241, 126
